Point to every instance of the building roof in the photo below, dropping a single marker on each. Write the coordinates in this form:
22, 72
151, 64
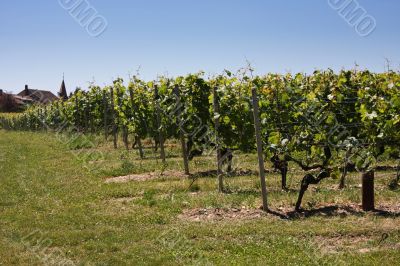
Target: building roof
39, 96
63, 91
21, 100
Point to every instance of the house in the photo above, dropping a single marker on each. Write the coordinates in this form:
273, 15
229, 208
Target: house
22, 101
38, 96
12, 103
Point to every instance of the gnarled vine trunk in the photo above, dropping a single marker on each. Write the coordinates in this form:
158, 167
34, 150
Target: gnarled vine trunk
308, 180
282, 166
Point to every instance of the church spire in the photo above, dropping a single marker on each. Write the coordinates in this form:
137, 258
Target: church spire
63, 91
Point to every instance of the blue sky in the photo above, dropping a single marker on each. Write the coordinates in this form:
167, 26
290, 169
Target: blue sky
40, 40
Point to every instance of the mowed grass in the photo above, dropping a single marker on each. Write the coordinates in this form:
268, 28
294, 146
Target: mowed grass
55, 207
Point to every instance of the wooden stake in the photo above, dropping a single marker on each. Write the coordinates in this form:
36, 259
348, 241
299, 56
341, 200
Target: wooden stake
160, 132
140, 146
260, 151
137, 137
368, 197
216, 125
124, 128
114, 127
86, 118
77, 117
181, 133
342, 183
105, 115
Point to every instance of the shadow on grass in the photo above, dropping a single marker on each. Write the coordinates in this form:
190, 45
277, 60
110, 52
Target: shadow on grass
157, 157
214, 173
255, 192
334, 211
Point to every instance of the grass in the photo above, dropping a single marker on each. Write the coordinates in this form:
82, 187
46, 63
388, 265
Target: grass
55, 207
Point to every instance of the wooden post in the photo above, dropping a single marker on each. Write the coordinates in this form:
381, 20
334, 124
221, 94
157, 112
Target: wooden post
218, 147
160, 132
86, 118
91, 120
61, 114
140, 146
77, 117
46, 126
105, 115
137, 137
342, 183
181, 134
39, 120
124, 128
56, 119
125, 134
260, 151
368, 198
114, 128
398, 172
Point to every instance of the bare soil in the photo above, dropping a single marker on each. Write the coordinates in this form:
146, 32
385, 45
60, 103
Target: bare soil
218, 214
145, 177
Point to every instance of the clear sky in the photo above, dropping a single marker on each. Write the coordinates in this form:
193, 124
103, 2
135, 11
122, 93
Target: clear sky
40, 40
